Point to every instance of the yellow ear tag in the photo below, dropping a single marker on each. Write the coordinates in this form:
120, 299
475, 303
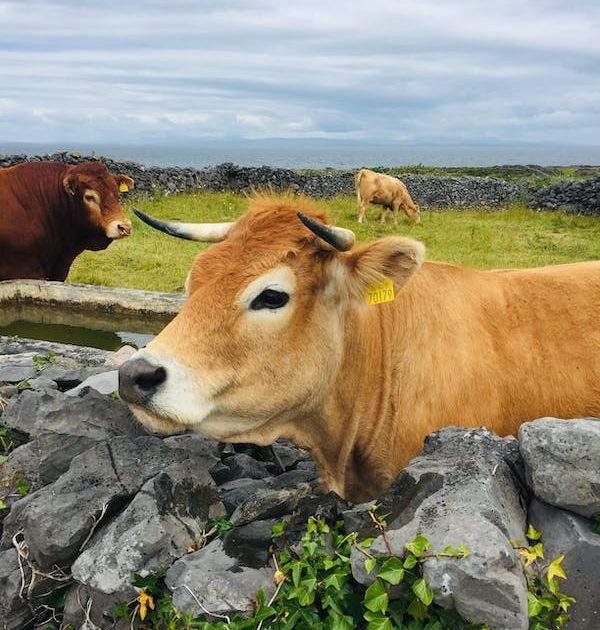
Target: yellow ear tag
381, 292
123, 187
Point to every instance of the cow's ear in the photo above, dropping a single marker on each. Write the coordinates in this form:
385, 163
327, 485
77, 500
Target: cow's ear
123, 182
70, 183
394, 258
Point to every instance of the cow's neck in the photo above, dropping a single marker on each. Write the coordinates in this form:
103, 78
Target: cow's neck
345, 437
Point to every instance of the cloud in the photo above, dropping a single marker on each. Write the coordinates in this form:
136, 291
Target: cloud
150, 70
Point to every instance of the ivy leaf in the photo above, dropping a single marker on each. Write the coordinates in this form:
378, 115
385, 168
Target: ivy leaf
410, 561
418, 545
418, 610
380, 623
370, 564
336, 580
534, 606
392, 571
376, 597
555, 570
533, 533
3, 505
422, 591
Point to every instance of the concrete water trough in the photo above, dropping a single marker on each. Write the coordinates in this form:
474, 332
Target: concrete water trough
85, 315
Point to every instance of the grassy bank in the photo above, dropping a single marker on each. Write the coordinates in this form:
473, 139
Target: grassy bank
513, 237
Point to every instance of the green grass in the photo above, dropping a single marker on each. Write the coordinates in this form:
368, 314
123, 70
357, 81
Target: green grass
512, 237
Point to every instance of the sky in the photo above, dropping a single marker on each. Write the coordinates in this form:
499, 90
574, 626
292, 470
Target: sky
397, 71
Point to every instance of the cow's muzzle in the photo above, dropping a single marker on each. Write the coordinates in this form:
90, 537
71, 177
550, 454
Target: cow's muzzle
139, 380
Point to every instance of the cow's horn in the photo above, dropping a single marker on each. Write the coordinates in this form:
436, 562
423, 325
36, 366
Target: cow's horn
203, 232
338, 237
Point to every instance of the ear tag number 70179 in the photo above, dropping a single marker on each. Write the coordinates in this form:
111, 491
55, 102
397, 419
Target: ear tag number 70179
381, 292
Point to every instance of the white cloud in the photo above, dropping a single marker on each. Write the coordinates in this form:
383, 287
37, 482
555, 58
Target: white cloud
413, 71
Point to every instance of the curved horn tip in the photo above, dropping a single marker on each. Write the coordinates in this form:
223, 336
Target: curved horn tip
340, 238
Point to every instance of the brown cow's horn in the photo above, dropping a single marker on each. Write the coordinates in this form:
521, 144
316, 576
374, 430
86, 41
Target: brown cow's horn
203, 232
338, 237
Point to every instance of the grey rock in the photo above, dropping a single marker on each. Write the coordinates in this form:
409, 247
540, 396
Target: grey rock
105, 383
80, 423
165, 518
117, 358
19, 595
23, 411
84, 605
241, 466
41, 383
266, 503
461, 489
16, 373
562, 459
236, 492
14, 610
218, 581
249, 544
58, 518
566, 533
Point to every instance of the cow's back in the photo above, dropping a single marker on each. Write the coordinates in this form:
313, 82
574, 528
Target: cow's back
502, 347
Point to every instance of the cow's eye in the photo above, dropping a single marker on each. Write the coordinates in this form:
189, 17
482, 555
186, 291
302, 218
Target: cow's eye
269, 298
89, 198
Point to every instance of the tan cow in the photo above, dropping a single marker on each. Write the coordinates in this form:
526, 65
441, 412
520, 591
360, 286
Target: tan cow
386, 191
276, 340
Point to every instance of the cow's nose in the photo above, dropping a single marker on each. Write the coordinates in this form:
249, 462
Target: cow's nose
139, 379
124, 228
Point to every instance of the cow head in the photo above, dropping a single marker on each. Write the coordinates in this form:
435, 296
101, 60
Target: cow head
261, 338
96, 193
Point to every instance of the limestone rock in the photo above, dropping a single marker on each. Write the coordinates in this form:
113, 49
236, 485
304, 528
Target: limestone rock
462, 489
562, 459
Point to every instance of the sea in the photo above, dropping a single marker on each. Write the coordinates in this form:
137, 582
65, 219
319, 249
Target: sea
302, 155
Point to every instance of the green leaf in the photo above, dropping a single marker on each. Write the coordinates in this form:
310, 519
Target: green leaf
370, 564
534, 606
3, 458
410, 561
392, 571
336, 580
381, 623
422, 591
341, 622
418, 610
296, 573
376, 597
533, 533
3, 505
418, 545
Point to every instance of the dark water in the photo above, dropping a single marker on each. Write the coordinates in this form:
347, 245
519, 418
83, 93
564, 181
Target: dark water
75, 335
95, 329
321, 155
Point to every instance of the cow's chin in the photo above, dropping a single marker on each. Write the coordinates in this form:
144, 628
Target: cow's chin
156, 423
217, 426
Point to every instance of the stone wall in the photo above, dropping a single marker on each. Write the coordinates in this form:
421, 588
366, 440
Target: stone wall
578, 196
108, 499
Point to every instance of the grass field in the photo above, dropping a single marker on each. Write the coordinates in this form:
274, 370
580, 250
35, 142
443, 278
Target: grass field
513, 237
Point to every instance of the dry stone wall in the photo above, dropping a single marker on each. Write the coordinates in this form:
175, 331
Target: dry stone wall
107, 499
429, 191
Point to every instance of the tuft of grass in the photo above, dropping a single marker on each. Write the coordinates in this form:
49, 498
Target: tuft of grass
514, 236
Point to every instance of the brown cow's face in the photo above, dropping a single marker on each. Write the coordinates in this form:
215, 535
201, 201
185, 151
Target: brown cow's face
98, 193
261, 338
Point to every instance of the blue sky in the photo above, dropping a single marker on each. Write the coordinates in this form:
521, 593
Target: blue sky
426, 71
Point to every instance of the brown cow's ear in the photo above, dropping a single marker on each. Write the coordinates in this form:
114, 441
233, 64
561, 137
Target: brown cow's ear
70, 183
394, 258
123, 182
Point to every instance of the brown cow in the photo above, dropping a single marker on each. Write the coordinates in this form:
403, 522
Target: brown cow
276, 340
51, 212
386, 191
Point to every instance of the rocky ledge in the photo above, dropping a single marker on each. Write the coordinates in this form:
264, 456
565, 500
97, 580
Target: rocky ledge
92, 498
429, 191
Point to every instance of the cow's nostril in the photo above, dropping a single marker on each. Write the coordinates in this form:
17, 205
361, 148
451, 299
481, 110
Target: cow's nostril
124, 229
152, 378
139, 379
